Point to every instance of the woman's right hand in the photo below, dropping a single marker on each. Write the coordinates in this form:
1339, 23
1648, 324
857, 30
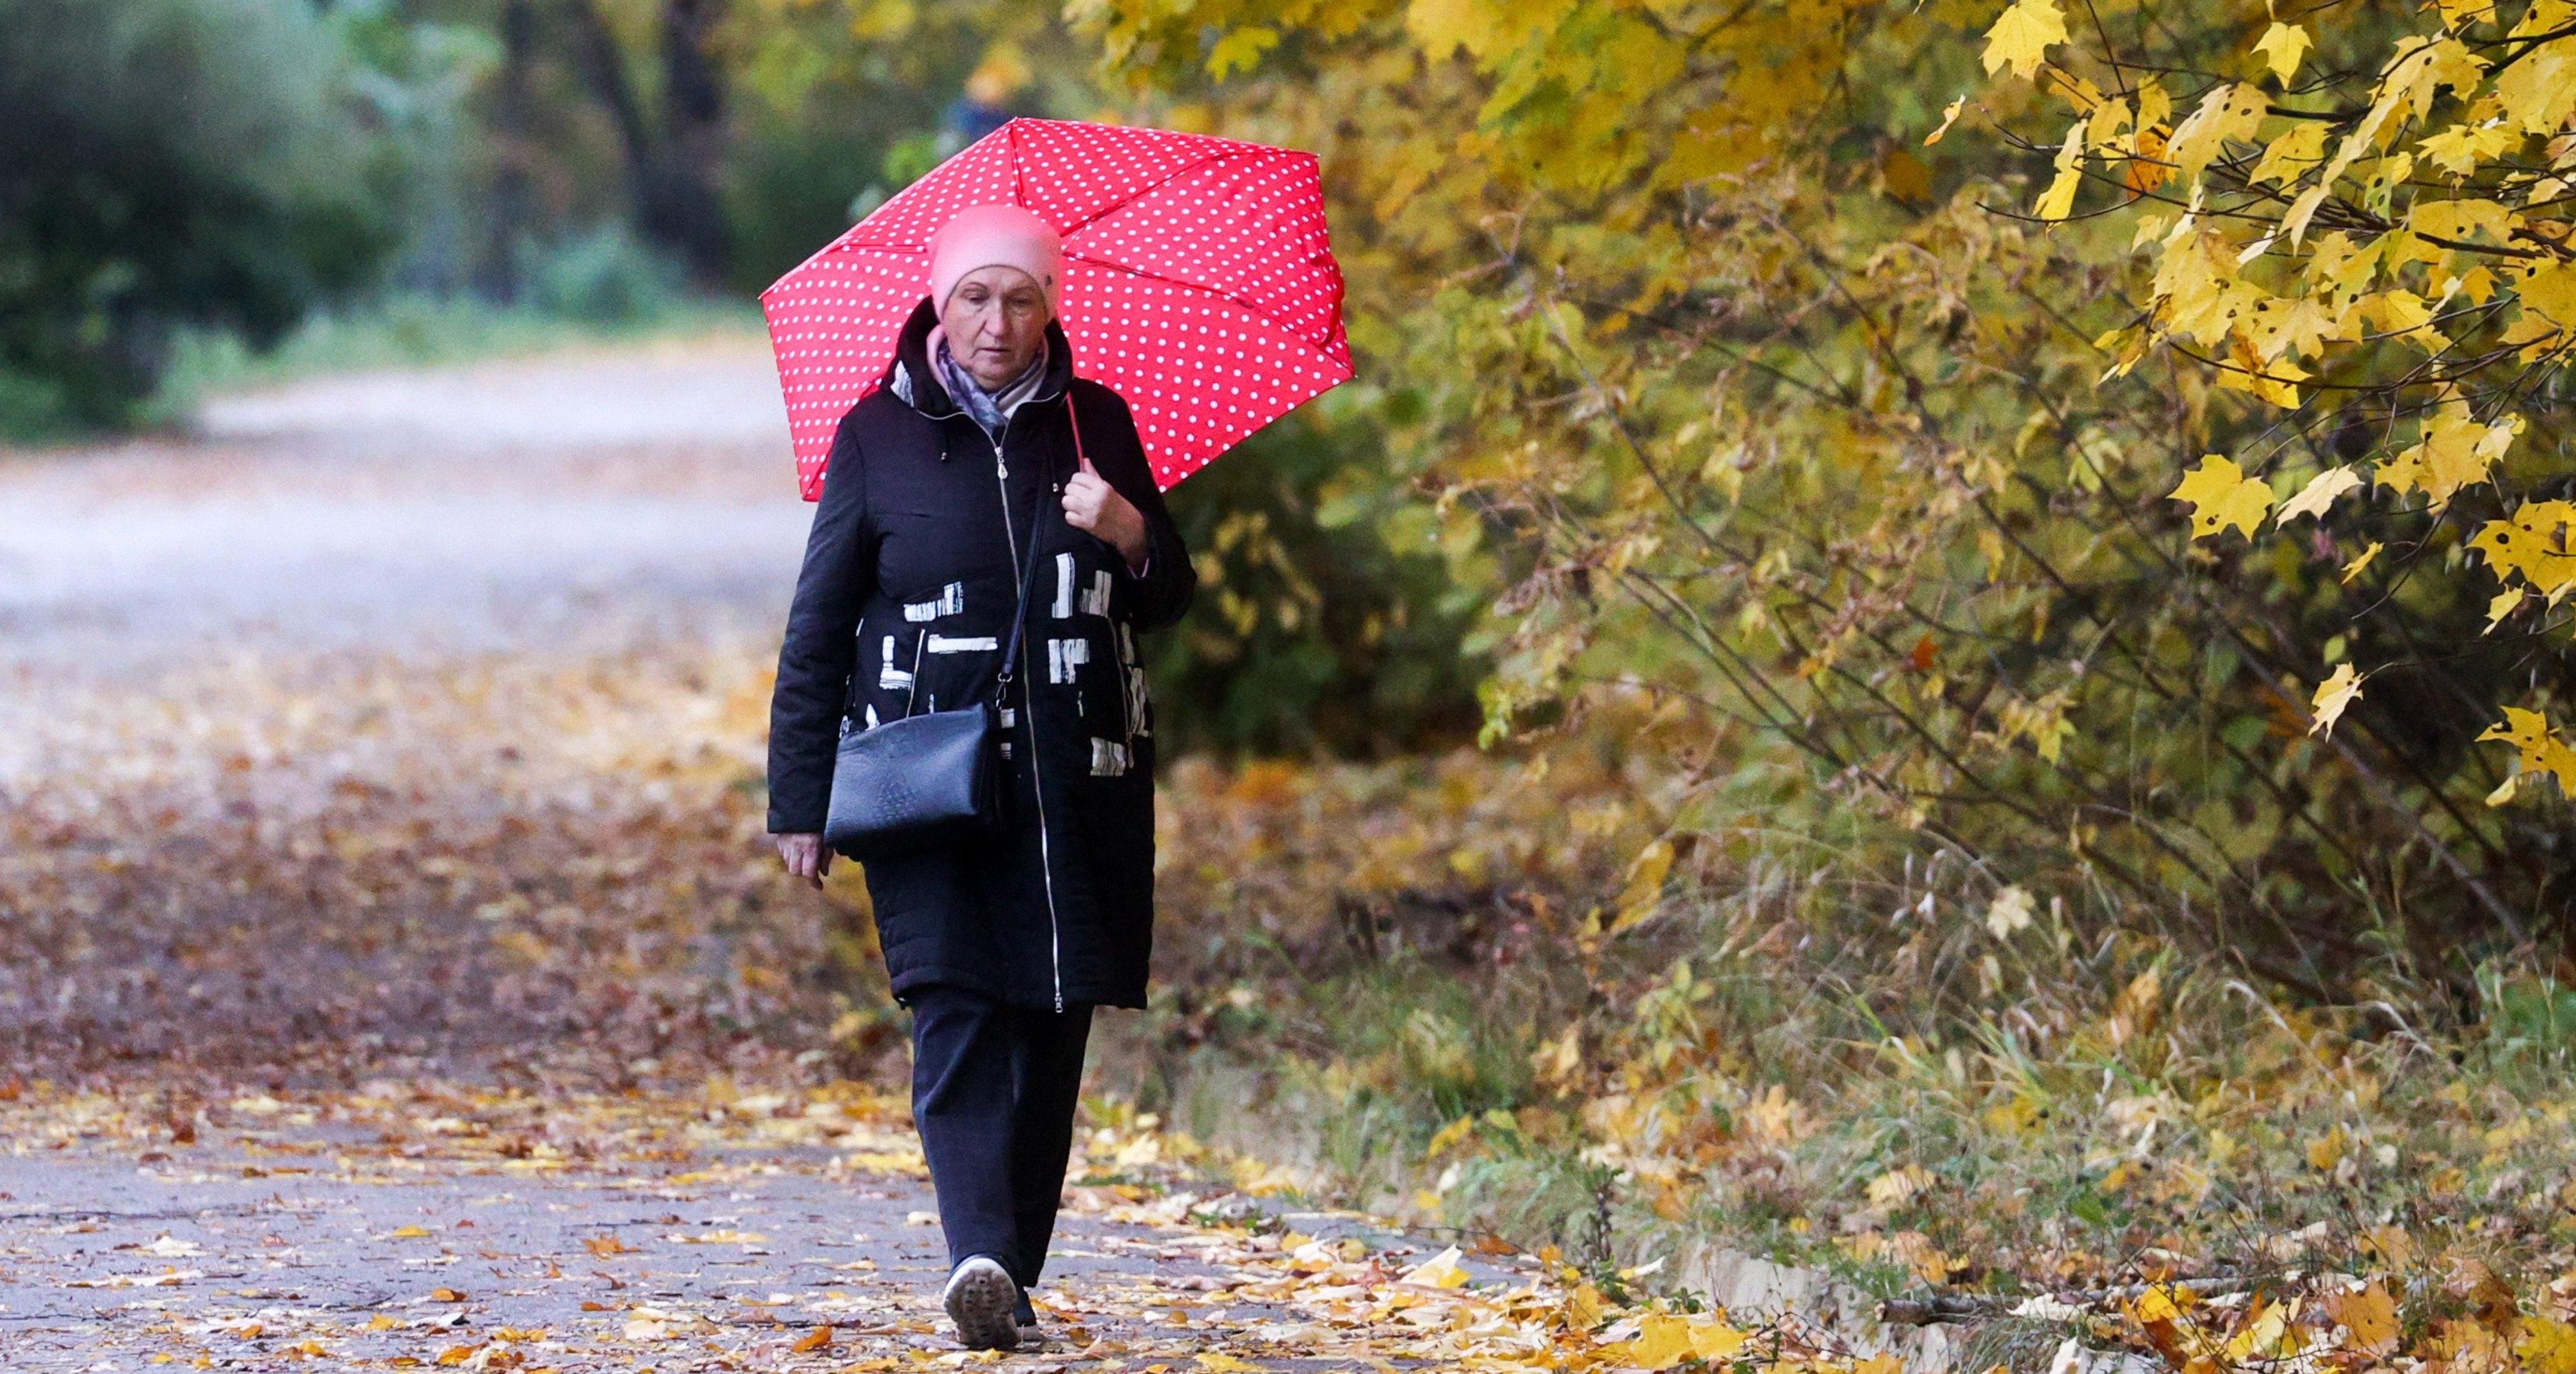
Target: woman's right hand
806, 857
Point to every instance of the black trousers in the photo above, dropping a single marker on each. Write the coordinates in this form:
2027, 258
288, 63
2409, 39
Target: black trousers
994, 1088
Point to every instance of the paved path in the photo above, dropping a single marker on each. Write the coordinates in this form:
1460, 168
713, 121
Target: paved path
253, 1261
509, 504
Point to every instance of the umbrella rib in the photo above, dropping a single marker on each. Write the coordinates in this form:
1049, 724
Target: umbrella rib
1200, 287
1146, 190
1019, 188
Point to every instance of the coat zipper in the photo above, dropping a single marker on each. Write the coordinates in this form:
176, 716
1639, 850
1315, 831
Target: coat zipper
1029, 703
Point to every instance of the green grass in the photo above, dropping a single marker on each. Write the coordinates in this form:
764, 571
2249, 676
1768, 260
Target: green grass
398, 332
418, 331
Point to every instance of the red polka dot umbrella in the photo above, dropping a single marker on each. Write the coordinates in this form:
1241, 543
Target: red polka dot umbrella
1199, 283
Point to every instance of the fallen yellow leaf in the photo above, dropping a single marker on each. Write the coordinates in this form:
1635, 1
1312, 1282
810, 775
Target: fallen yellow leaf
1439, 1271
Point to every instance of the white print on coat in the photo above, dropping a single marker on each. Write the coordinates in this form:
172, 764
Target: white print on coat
950, 601
890, 676
1108, 758
1064, 655
1131, 677
1071, 596
872, 715
969, 644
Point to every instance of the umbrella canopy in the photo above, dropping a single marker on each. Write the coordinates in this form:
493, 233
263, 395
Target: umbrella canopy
1199, 283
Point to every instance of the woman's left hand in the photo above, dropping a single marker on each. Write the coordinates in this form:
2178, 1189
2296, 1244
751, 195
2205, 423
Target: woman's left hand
1092, 505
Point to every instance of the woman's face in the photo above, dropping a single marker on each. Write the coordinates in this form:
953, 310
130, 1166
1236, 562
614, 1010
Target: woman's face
995, 319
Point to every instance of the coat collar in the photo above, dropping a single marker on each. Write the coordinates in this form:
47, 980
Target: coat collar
911, 377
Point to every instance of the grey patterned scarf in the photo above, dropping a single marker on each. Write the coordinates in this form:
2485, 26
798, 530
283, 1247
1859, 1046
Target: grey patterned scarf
991, 409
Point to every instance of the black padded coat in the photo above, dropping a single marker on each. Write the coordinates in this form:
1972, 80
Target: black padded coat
904, 604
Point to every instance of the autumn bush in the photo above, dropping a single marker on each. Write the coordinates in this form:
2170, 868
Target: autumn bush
1738, 338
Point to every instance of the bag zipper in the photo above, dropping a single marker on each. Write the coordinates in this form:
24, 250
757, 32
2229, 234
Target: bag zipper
1028, 703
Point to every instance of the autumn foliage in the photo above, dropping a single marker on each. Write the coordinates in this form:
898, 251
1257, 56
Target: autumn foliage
1816, 378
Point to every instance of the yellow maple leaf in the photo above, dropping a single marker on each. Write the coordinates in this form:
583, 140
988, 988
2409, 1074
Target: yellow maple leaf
2276, 381
2504, 603
1949, 117
2319, 493
2059, 199
2547, 1347
2283, 45
2531, 544
1442, 27
2371, 1317
1662, 1341
2266, 1329
2020, 38
2199, 292
2529, 732
2155, 106
2456, 451
2360, 561
2146, 169
2160, 1303
2459, 149
2458, 14
2462, 220
1713, 1340
2538, 93
2338, 691
1440, 1271
2222, 495
1240, 50
2233, 111
2546, 296
1645, 889
2288, 157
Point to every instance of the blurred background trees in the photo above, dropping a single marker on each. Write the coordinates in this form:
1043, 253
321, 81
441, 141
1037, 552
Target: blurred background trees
186, 183
171, 162
236, 165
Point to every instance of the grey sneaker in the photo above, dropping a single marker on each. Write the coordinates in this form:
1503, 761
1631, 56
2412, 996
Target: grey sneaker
980, 1298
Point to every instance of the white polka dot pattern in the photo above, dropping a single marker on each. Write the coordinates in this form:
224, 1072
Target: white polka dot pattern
1200, 283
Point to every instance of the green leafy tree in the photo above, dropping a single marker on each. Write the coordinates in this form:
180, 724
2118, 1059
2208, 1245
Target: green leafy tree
166, 162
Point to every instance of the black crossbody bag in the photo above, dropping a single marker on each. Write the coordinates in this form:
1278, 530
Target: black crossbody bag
928, 779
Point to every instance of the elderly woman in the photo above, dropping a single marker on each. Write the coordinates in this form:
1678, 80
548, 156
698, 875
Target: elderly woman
953, 485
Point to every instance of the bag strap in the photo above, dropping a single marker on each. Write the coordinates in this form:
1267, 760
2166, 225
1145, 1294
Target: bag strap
1029, 565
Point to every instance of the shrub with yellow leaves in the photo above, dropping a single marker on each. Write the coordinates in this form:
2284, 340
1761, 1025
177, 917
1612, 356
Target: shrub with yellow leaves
1810, 441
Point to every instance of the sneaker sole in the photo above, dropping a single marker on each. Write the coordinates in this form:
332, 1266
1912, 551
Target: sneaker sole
980, 1302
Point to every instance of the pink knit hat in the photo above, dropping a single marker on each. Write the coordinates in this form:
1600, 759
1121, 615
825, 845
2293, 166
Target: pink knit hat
995, 236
